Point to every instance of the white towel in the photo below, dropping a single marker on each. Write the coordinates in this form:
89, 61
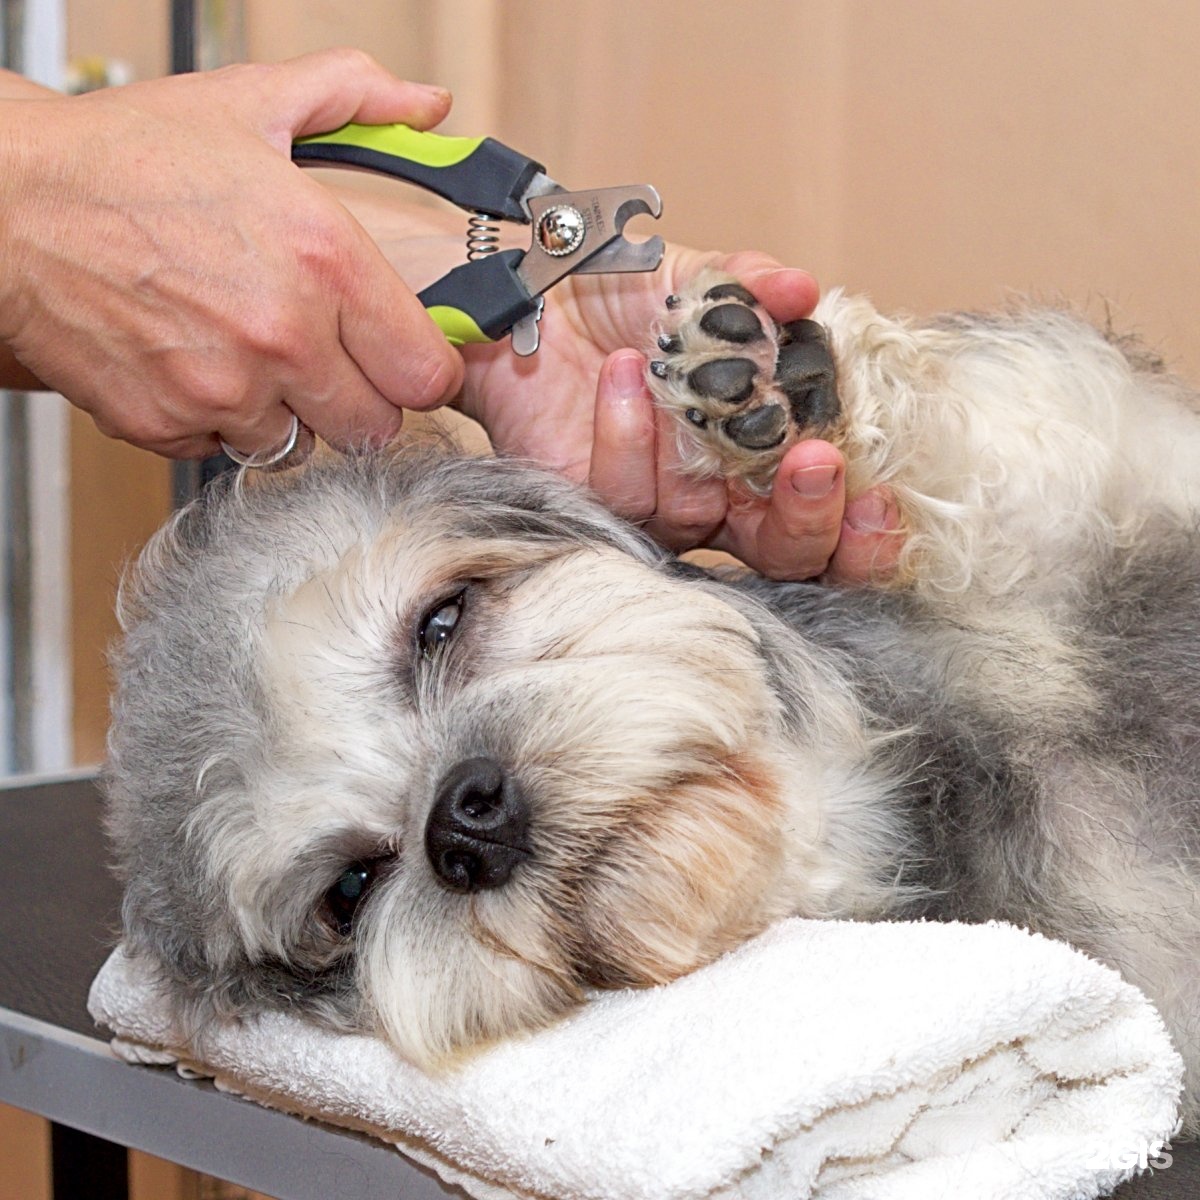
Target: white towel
837, 1060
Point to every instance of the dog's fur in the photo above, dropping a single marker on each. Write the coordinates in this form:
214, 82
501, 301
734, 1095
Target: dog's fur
1014, 733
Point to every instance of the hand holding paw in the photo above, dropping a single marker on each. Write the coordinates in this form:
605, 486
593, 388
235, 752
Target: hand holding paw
732, 457
626, 448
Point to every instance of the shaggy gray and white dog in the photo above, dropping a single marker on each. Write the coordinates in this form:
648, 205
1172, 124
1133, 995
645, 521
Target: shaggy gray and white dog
428, 746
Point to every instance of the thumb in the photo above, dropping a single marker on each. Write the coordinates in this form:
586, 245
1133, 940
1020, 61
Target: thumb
787, 293
322, 91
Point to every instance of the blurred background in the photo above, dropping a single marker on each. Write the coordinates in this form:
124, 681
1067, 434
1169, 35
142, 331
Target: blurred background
932, 153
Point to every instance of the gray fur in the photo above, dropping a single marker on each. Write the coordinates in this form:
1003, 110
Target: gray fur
980, 779
1034, 758
189, 717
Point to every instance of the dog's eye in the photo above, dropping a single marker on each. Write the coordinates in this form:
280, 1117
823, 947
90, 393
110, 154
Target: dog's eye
439, 624
343, 900
696, 417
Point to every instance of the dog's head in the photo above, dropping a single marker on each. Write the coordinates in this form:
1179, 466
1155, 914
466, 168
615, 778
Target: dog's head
428, 746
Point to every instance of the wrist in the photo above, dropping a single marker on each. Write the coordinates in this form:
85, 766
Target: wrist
24, 145
14, 154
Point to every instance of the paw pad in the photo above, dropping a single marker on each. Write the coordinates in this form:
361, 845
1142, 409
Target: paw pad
729, 380
743, 389
732, 322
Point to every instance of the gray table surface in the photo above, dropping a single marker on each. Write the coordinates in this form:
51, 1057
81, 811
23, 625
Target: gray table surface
58, 921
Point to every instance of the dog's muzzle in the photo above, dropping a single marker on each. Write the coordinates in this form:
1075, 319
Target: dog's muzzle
476, 832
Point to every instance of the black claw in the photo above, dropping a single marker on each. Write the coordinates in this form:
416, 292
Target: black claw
658, 369
730, 380
760, 429
696, 417
669, 343
732, 323
674, 301
806, 374
730, 291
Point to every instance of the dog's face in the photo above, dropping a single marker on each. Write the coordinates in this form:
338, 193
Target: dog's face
429, 749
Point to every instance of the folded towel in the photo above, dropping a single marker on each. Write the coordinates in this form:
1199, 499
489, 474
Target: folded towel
839, 1060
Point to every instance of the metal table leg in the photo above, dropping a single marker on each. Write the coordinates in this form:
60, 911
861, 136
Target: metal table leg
85, 1167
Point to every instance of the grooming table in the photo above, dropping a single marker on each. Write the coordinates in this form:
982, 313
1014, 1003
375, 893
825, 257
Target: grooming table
59, 915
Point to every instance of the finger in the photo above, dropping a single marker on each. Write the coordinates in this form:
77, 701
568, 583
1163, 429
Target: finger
343, 408
192, 401
259, 430
872, 538
623, 472
189, 448
795, 534
689, 510
322, 91
787, 293
389, 335
182, 447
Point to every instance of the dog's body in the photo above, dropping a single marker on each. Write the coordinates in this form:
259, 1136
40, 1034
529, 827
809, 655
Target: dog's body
428, 745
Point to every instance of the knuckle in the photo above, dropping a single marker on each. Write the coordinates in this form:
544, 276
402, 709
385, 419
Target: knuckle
324, 246
147, 430
211, 392
352, 60
793, 571
239, 81
699, 509
441, 380
318, 230
251, 74
688, 522
816, 532
431, 378
280, 329
629, 505
278, 339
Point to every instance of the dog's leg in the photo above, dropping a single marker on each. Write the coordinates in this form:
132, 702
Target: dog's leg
1010, 443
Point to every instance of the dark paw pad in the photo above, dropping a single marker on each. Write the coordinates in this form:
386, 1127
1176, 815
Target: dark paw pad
730, 380
805, 374
732, 323
758, 429
742, 390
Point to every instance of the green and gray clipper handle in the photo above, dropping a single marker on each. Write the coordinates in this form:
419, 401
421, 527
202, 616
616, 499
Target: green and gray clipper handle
497, 292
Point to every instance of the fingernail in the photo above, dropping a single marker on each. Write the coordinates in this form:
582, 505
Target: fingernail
867, 514
814, 483
627, 378
439, 94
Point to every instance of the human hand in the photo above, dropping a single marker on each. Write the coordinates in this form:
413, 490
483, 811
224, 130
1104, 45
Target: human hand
626, 450
166, 266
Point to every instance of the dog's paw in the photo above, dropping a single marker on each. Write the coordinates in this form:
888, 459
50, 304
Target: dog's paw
741, 388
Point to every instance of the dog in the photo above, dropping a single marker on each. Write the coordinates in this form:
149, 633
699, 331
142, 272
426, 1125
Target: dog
427, 746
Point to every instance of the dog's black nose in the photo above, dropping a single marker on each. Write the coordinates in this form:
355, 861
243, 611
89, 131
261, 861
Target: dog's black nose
759, 429
476, 832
